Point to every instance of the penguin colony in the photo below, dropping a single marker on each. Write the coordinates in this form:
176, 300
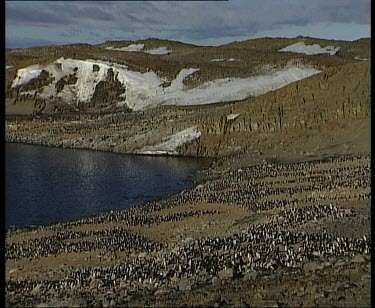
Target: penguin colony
262, 247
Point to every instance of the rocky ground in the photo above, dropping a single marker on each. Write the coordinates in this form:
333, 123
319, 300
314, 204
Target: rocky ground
272, 234
280, 219
323, 114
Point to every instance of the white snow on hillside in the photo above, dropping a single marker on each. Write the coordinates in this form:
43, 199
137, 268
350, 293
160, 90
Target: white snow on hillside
177, 84
139, 47
361, 59
315, 49
227, 89
24, 75
159, 51
144, 91
8, 67
131, 47
138, 86
221, 60
233, 116
172, 142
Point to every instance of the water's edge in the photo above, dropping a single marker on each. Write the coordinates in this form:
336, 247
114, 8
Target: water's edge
196, 177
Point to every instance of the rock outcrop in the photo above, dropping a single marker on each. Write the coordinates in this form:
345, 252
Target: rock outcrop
323, 109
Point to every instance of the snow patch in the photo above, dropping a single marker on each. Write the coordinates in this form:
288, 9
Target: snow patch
172, 143
177, 84
233, 116
159, 51
8, 67
315, 49
361, 59
131, 47
228, 89
228, 60
155, 152
24, 75
139, 86
139, 47
144, 91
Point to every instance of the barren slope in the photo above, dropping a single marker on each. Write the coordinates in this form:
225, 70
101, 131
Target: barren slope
323, 113
236, 60
281, 219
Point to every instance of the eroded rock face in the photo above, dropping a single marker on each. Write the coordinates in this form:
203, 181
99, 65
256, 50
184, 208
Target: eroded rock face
30, 89
60, 85
317, 109
313, 107
71, 79
107, 92
57, 88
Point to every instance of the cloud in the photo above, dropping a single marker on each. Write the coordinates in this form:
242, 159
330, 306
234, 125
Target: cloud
190, 20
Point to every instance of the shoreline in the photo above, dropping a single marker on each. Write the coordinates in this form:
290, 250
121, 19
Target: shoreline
194, 179
199, 177
113, 152
229, 216
279, 217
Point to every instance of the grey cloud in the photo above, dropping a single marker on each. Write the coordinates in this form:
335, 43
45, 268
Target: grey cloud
196, 15
176, 19
24, 42
57, 13
31, 15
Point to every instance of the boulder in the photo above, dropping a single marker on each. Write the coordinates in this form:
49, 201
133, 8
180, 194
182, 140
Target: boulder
216, 281
227, 273
339, 263
161, 291
359, 259
184, 285
312, 266
250, 275
37, 289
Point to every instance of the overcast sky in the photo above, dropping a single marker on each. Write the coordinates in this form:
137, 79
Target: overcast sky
34, 23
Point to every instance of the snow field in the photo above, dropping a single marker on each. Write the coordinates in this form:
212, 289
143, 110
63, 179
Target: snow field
159, 51
229, 60
139, 47
25, 75
315, 49
229, 89
144, 91
131, 47
172, 142
233, 116
139, 86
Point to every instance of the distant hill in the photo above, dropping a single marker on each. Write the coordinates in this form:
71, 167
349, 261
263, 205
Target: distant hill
143, 72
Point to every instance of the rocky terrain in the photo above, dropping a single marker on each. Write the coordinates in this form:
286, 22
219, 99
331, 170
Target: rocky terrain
39, 80
326, 109
274, 234
282, 216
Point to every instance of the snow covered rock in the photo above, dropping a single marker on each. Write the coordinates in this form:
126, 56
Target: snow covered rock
172, 142
233, 116
93, 82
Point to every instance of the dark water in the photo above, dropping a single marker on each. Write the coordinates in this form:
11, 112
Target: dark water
47, 185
